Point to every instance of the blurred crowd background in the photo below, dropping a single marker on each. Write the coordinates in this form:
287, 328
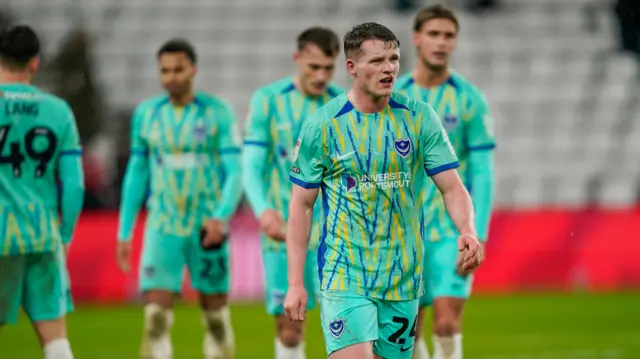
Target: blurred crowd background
562, 76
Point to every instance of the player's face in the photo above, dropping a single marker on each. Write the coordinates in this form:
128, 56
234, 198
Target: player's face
436, 41
315, 69
176, 73
375, 67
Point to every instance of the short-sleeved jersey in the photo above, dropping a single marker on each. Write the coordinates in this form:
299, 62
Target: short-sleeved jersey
371, 169
277, 113
36, 129
185, 146
466, 117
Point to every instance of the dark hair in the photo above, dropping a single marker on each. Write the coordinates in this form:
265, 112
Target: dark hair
18, 45
434, 12
368, 31
324, 38
178, 45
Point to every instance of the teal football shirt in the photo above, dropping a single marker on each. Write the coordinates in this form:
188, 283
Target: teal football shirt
466, 116
277, 113
371, 169
38, 142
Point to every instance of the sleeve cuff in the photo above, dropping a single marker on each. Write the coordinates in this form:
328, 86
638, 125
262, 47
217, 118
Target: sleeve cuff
442, 168
256, 143
485, 147
304, 184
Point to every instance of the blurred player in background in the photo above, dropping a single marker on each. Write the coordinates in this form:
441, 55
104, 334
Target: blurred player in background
370, 151
277, 112
185, 147
464, 112
39, 143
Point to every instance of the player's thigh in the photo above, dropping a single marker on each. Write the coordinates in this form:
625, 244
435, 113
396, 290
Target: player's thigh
208, 268
347, 320
397, 322
13, 270
47, 291
443, 279
162, 262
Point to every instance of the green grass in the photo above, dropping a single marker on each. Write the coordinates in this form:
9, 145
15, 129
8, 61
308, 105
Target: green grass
524, 326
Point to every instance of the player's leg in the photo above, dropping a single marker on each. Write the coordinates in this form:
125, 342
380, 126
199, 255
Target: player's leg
350, 325
47, 300
289, 343
11, 288
450, 291
397, 323
161, 270
209, 270
421, 351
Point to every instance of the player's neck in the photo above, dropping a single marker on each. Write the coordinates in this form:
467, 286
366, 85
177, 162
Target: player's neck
15, 77
298, 85
365, 103
182, 100
427, 77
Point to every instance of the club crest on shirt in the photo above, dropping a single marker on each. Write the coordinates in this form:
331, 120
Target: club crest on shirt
450, 122
402, 146
336, 328
199, 131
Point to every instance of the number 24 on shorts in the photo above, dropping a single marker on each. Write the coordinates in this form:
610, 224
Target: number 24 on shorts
397, 337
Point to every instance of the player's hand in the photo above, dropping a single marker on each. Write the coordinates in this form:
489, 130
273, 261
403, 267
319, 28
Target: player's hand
470, 254
123, 255
215, 232
295, 303
272, 224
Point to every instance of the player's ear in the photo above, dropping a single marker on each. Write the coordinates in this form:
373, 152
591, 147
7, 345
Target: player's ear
34, 65
416, 37
295, 56
351, 67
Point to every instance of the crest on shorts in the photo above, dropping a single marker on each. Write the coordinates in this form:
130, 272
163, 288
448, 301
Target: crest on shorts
450, 122
402, 146
336, 328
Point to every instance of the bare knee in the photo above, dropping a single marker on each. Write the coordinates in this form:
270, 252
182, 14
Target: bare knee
212, 301
446, 327
161, 298
447, 313
290, 333
50, 330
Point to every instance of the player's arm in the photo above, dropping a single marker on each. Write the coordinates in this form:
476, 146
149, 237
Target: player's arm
136, 178
306, 174
257, 142
229, 150
72, 179
481, 142
440, 162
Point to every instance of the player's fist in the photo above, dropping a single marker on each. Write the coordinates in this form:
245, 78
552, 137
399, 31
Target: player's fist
123, 256
295, 303
272, 224
470, 254
214, 232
